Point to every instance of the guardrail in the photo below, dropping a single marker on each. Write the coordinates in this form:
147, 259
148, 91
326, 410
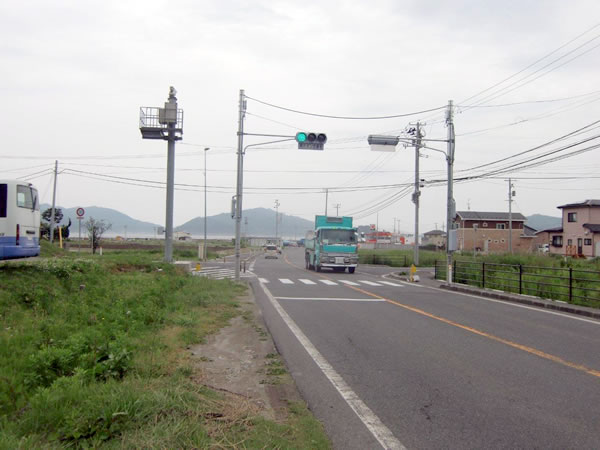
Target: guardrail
575, 286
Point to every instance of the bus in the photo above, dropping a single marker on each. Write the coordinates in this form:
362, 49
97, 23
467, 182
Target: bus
19, 220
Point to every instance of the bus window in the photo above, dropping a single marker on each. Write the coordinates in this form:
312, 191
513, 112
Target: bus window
26, 197
3, 190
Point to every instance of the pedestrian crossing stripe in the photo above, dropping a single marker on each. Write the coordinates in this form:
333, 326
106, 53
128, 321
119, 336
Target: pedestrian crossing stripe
349, 283
370, 283
328, 282
389, 283
286, 281
263, 280
306, 281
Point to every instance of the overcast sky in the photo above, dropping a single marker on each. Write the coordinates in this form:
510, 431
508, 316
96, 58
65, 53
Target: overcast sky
74, 74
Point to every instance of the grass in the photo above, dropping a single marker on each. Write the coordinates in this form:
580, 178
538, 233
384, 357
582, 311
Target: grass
398, 258
92, 354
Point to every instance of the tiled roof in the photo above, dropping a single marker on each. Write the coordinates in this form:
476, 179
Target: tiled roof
552, 230
584, 203
435, 233
593, 227
481, 215
529, 231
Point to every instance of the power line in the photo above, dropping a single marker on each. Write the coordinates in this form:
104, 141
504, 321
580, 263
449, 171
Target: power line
394, 116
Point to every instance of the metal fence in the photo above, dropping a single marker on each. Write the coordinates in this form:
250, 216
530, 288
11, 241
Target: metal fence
566, 284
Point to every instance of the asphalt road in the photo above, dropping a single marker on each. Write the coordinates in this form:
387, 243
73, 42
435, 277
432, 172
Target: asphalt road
403, 365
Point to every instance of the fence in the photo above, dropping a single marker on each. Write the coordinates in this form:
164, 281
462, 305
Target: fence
575, 286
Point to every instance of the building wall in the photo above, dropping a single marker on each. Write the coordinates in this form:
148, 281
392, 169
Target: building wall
575, 230
470, 239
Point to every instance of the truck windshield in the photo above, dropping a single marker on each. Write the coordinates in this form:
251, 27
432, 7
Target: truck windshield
338, 236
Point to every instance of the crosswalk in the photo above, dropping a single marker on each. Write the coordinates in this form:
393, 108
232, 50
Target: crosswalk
326, 282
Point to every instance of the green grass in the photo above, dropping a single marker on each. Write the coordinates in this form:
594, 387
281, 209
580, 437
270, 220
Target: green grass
92, 353
398, 258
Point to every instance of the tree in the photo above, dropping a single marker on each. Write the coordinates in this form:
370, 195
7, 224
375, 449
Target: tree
45, 226
95, 229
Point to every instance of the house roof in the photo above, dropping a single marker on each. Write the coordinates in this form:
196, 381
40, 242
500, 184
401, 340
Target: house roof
529, 231
584, 203
551, 230
482, 215
435, 233
593, 227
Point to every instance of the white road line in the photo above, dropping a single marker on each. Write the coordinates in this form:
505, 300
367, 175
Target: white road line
349, 283
333, 299
382, 433
305, 281
286, 281
389, 283
329, 282
370, 283
506, 302
263, 280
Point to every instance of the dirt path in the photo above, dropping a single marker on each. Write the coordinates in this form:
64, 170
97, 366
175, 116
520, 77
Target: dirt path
243, 361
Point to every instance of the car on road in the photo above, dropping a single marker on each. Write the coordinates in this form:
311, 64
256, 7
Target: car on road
271, 252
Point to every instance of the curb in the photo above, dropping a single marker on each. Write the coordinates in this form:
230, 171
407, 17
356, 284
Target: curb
531, 301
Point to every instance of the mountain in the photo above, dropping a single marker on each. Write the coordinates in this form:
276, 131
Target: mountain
255, 222
540, 222
120, 223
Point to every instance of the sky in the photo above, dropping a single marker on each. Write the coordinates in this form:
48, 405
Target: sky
520, 74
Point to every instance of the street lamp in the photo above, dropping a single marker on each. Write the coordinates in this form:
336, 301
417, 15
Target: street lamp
204, 252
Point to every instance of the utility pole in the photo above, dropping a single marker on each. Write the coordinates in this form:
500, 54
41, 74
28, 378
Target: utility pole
510, 196
337, 209
326, 200
204, 252
450, 207
417, 192
52, 213
276, 219
240, 171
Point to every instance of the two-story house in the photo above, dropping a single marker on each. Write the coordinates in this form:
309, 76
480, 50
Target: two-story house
580, 231
435, 237
488, 232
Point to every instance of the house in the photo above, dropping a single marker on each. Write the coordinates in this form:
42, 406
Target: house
580, 231
434, 237
182, 236
488, 232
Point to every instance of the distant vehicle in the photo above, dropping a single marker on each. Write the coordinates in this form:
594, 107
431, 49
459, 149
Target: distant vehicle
544, 248
300, 242
272, 252
19, 220
333, 244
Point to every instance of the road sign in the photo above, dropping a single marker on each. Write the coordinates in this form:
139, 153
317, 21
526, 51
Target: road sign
80, 212
311, 146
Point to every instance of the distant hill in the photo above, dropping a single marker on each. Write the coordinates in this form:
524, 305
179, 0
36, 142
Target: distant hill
117, 219
255, 222
540, 222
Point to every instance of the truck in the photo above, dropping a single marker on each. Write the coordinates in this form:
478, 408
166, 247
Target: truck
332, 244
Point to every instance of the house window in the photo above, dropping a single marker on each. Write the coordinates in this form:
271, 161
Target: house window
475, 226
500, 226
484, 224
557, 241
587, 242
572, 217
569, 242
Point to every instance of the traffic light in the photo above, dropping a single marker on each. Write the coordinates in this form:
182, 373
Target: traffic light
310, 140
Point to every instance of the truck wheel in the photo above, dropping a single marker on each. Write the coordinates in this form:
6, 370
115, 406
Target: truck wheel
318, 267
351, 269
307, 263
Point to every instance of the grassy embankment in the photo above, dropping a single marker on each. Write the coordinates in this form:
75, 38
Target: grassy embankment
92, 353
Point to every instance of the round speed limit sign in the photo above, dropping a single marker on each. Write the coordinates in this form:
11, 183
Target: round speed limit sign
80, 212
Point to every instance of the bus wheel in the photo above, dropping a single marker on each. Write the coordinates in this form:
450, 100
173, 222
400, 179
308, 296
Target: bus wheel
351, 269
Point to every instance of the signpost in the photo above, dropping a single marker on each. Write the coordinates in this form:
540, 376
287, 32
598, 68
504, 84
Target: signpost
80, 213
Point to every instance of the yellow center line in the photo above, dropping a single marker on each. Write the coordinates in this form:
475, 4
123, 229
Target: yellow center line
512, 344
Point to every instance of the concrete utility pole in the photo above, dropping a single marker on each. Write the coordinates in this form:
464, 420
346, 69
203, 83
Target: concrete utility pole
204, 252
240, 173
450, 207
417, 192
337, 209
510, 196
326, 200
52, 213
277, 219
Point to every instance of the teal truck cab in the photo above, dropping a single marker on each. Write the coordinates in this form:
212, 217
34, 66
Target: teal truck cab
333, 243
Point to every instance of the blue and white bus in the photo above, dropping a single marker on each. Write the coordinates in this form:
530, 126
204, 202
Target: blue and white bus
19, 220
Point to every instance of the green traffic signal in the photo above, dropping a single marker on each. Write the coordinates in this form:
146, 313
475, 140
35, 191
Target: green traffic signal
301, 137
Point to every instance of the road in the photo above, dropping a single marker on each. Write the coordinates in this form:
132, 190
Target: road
383, 363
